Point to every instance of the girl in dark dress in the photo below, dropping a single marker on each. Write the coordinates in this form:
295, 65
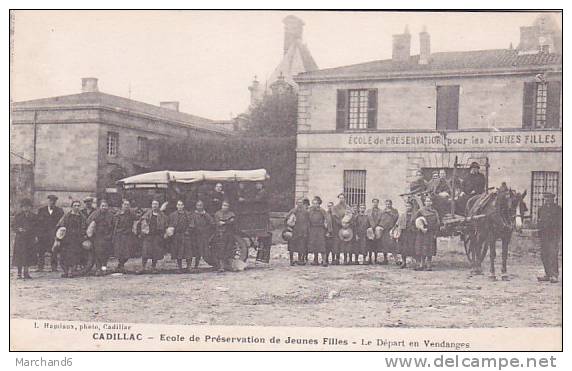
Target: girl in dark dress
123, 237
180, 221
361, 223
202, 226
70, 245
100, 223
224, 241
406, 234
153, 226
24, 225
299, 241
426, 239
318, 225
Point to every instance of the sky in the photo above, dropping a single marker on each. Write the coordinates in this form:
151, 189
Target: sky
207, 59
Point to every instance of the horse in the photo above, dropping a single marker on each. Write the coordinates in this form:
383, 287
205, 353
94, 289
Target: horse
503, 213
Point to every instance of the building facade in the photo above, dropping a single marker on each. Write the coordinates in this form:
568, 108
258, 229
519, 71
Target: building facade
366, 129
79, 145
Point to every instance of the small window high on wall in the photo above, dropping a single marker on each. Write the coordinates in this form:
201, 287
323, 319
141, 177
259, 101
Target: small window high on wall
355, 186
112, 143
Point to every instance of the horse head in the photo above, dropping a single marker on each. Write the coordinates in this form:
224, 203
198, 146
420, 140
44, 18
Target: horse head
516, 208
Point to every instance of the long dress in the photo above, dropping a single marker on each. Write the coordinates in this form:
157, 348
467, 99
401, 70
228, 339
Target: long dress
388, 219
70, 248
24, 225
153, 226
202, 226
299, 241
407, 234
338, 213
348, 246
374, 218
102, 235
224, 238
124, 243
426, 242
361, 224
181, 244
317, 230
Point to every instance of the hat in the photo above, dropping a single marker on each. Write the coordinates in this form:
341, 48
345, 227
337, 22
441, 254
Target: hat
421, 223
291, 220
475, 165
378, 232
52, 197
287, 234
369, 233
88, 199
87, 245
26, 202
549, 195
346, 234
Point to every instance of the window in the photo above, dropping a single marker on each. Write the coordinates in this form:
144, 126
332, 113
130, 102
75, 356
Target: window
112, 143
356, 109
542, 182
541, 105
354, 186
143, 148
448, 107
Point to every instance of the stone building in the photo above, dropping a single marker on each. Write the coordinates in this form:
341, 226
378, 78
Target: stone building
81, 144
366, 129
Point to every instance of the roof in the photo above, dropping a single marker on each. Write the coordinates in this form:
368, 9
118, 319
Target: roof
104, 100
166, 176
440, 63
296, 60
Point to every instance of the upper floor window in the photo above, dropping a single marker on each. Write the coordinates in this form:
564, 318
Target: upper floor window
541, 105
143, 148
112, 143
448, 107
356, 109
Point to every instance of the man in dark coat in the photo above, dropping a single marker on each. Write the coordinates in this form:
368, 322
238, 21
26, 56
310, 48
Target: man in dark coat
24, 226
48, 218
216, 197
550, 233
474, 183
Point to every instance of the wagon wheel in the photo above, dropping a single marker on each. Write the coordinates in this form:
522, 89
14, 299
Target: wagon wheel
240, 245
87, 260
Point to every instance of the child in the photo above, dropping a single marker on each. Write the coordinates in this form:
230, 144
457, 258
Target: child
24, 225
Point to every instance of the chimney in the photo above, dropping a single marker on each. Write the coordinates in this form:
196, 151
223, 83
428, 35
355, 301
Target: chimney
89, 85
172, 105
254, 92
401, 46
528, 38
293, 28
424, 46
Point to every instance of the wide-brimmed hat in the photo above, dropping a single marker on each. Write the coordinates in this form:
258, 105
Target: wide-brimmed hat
421, 223
291, 220
378, 232
287, 234
346, 220
475, 165
346, 234
87, 245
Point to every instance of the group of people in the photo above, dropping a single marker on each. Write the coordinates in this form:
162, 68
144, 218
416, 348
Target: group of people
128, 233
341, 234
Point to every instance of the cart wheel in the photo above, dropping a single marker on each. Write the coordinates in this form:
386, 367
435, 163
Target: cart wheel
240, 245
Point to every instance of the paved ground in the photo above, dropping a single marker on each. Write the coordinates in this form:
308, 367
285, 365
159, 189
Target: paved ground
280, 295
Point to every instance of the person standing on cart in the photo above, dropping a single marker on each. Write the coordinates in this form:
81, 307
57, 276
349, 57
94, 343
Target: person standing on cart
202, 224
216, 197
153, 226
224, 238
100, 226
550, 233
24, 225
474, 183
181, 242
69, 246
300, 219
48, 218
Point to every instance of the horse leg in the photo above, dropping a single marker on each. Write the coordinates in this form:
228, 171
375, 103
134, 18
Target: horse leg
477, 245
505, 243
493, 254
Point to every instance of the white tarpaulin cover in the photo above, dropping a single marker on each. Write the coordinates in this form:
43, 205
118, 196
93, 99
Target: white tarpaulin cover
165, 176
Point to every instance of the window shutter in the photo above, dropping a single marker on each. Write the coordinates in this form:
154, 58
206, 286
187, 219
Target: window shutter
553, 104
372, 109
528, 102
342, 109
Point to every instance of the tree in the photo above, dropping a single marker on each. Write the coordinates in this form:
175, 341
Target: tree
275, 115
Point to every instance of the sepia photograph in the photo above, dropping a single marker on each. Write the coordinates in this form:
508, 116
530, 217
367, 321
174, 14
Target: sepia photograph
286, 180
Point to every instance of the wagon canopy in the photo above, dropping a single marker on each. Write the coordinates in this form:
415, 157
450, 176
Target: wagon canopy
158, 178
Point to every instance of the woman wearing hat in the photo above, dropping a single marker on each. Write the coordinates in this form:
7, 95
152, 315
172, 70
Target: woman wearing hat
427, 222
300, 220
406, 233
24, 225
70, 247
318, 226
